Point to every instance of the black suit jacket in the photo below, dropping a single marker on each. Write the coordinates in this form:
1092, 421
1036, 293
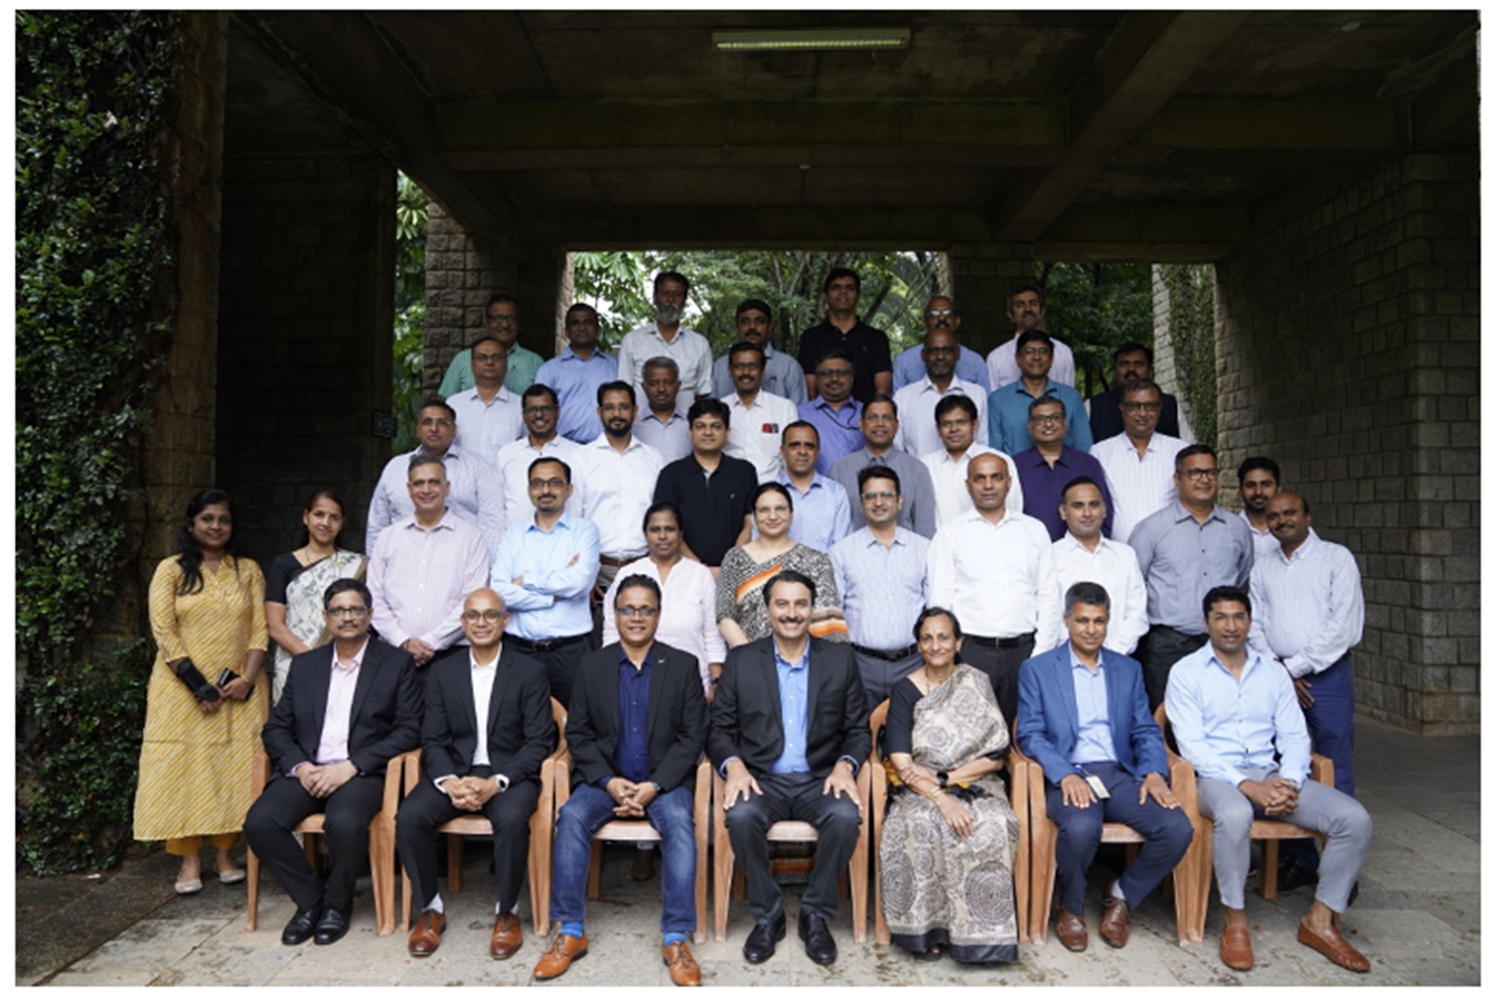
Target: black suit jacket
676, 716
385, 718
520, 731
746, 716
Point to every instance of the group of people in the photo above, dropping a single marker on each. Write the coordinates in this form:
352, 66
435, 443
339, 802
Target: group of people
750, 577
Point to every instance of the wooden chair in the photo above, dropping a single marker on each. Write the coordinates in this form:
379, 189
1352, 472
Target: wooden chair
382, 843
539, 857
634, 830
791, 831
879, 793
1185, 878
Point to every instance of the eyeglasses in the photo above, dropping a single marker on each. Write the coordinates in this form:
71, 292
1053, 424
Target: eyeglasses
498, 318
1140, 407
779, 509
354, 612
1035, 352
631, 611
940, 313
548, 484
1047, 418
489, 359
489, 615
1199, 475
886, 495
537, 411
834, 372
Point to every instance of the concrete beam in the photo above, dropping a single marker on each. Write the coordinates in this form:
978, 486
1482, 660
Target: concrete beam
1172, 233
1447, 114
1280, 126
1150, 55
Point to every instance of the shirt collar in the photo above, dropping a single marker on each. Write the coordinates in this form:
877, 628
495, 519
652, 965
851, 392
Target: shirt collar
1078, 664
357, 659
1181, 513
476, 666
645, 664
801, 663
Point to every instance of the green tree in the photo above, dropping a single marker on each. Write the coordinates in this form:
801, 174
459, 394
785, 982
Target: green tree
1096, 308
411, 307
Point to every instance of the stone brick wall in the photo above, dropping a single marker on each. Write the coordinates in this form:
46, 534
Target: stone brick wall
1164, 357
461, 277
983, 275
1348, 349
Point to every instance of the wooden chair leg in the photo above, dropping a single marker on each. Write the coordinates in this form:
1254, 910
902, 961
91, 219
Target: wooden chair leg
1269, 863
455, 862
596, 860
252, 887
310, 849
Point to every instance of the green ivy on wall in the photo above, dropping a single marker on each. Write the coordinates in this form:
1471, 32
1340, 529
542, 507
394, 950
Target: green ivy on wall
95, 293
1190, 326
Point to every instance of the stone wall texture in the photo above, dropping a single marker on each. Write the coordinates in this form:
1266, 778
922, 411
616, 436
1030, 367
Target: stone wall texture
1348, 350
462, 274
983, 275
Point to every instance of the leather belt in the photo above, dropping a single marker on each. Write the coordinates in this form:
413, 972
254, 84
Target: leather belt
544, 645
990, 642
890, 656
617, 563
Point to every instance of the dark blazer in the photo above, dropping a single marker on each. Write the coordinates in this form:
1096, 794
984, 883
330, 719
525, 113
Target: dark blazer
745, 720
676, 716
520, 730
385, 718
1105, 419
1047, 715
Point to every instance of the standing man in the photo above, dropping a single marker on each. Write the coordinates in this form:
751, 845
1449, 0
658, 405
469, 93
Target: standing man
757, 417
868, 349
544, 572
488, 415
1260, 480
1132, 364
577, 373
1184, 550
1235, 716
486, 731
821, 504
328, 754
993, 567
948, 467
713, 490
831, 410
1049, 463
879, 427
939, 353
667, 337
636, 728
502, 322
1138, 463
662, 424
1083, 719
881, 570
1086, 554
423, 565
940, 314
752, 325
539, 411
1027, 310
475, 494
1010, 404
788, 731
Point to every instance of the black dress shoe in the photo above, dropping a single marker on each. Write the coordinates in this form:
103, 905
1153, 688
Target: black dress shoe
761, 944
301, 926
813, 930
333, 925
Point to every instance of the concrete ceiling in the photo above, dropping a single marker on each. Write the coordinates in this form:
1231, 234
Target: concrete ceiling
1092, 135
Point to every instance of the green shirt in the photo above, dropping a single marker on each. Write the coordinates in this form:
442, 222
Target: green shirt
520, 371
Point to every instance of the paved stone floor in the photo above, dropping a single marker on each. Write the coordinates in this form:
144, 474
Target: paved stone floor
1417, 919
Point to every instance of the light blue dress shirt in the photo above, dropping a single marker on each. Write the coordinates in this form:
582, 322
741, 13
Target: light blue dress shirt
1091, 692
838, 430
820, 517
792, 678
553, 601
1182, 560
908, 367
884, 588
1010, 415
576, 381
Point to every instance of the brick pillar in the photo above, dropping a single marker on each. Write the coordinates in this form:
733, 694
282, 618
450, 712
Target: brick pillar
1348, 349
982, 276
462, 273
545, 288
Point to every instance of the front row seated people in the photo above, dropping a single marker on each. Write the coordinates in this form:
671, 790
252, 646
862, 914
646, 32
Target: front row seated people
1082, 716
1236, 717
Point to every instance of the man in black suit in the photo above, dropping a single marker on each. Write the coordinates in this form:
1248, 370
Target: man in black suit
788, 732
487, 762
636, 729
343, 714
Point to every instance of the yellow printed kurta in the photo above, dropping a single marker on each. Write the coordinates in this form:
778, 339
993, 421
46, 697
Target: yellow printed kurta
195, 768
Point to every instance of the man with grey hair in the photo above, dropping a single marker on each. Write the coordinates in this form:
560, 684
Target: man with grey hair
665, 335
661, 423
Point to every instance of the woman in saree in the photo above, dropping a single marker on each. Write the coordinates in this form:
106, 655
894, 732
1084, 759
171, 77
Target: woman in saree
949, 840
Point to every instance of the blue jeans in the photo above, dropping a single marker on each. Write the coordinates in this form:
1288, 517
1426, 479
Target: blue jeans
588, 809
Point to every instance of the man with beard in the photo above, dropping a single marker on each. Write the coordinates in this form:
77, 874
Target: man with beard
1260, 480
1132, 364
667, 337
1027, 309
577, 373
940, 314
757, 417
663, 424
752, 325
539, 410
868, 349
939, 353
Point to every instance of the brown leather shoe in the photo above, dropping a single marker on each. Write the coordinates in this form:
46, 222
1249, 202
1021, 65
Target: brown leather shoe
1234, 948
424, 937
558, 957
644, 865
1333, 947
505, 940
1071, 931
680, 964
1114, 926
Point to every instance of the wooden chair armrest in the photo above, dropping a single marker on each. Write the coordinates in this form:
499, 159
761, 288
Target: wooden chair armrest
561, 764
260, 773
1322, 770
395, 779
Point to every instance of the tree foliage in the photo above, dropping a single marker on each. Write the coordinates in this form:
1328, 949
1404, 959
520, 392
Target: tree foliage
1190, 324
411, 307
1097, 308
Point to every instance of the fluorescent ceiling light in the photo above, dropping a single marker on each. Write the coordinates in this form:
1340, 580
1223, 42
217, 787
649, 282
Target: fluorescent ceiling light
782, 39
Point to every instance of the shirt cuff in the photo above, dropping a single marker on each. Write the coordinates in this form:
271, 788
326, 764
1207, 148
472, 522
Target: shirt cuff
292, 773
439, 781
852, 763
1298, 666
724, 767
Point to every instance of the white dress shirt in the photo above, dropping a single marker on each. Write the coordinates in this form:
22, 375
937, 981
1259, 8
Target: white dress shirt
950, 493
1003, 369
484, 428
1265, 542
615, 488
1112, 565
689, 348
916, 403
482, 677
1310, 608
755, 431
1140, 484
686, 620
1000, 579
514, 462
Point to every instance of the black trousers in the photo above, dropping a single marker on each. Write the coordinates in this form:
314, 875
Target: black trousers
426, 809
562, 668
1158, 651
346, 826
1003, 667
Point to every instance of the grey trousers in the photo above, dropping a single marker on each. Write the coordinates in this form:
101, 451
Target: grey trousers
880, 675
1326, 810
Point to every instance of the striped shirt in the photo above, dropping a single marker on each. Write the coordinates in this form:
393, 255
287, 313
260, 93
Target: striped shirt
884, 588
1140, 484
1309, 608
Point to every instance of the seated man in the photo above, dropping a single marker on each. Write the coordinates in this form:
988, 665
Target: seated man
1082, 716
487, 728
784, 756
631, 764
328, 754
1234, 712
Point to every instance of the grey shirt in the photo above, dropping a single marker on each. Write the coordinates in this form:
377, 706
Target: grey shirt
918, 504
1182, 560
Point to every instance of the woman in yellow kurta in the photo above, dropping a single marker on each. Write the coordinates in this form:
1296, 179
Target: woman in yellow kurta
206, 607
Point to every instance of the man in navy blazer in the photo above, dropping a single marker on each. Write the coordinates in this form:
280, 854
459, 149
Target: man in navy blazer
1082, 717
346, 710
788, 730
487, 763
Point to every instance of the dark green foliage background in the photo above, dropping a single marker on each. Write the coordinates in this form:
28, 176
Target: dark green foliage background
95, 289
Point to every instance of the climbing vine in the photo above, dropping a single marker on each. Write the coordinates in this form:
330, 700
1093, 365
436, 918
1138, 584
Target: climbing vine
1190, 326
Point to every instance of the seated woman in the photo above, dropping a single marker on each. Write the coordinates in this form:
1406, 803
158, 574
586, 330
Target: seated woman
741, 607
949, 841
